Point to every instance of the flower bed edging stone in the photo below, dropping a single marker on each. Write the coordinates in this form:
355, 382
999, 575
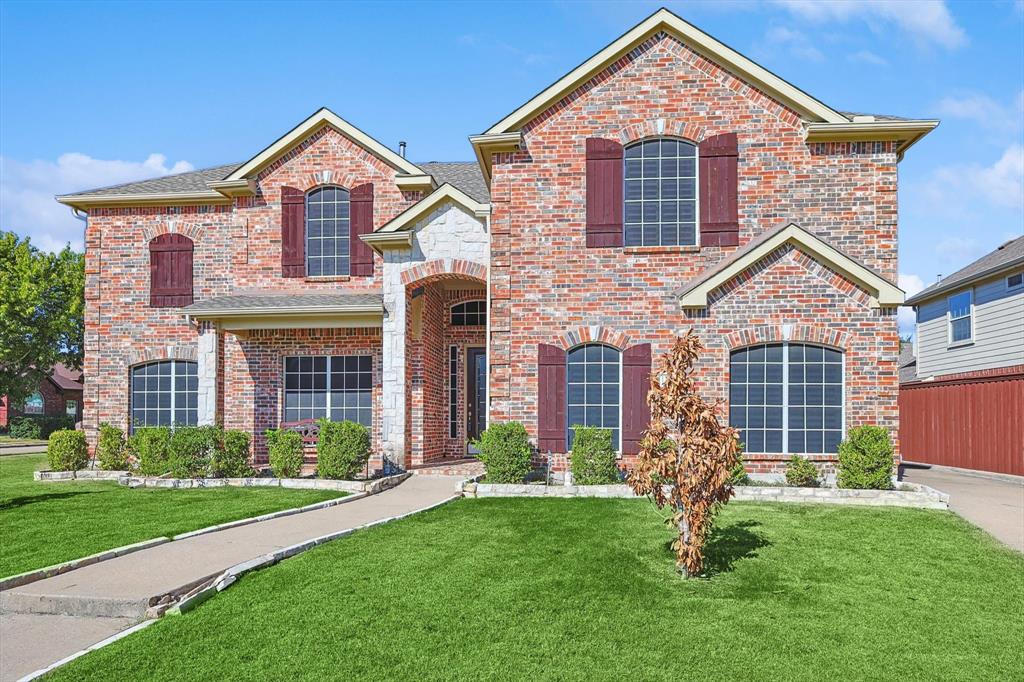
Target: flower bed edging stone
371, 486
80, 475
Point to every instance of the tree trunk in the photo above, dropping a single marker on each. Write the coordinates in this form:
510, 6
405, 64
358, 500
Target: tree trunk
684, 539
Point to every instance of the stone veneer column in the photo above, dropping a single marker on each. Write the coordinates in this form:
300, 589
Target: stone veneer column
393, 370
207, 369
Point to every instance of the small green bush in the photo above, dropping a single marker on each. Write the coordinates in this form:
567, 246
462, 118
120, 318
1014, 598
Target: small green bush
593, 457
67, 450
111, 449
191, 448
801, 473
149, 445
285, 449
739, 475
25, 428
505, 451
342, 449
865, 459
232, 459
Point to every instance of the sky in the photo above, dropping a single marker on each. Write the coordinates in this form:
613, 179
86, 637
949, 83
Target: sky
93, 94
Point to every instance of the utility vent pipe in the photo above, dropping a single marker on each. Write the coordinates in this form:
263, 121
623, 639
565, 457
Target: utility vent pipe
401, 149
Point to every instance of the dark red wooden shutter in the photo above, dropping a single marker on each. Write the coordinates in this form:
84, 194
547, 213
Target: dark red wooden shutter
551, 401
293, 232
170, 270
719, 206
361, 222
604, 193
636, 382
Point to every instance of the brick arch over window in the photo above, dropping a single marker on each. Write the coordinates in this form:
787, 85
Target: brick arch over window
140, 356
687, 130
193, 231
445, 268
796, 333
581, 335
329, 177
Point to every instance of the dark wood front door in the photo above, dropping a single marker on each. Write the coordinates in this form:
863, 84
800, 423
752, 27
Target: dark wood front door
476, 392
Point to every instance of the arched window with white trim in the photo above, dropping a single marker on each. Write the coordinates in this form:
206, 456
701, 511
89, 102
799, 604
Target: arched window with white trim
328, 225
165, 393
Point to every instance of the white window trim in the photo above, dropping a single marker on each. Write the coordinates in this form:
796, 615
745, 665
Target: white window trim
568, 426
696, 195
173, 391
950, 343
284, 390
305, 229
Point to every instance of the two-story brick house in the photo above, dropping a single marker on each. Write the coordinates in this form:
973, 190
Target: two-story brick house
666, 183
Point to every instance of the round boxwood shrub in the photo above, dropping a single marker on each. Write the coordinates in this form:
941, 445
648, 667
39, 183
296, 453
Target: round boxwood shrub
801, 473
67, 450
865, 459
342, 449
190, 450
285, 450
505, 451
25, 428
231, 459
593, 457
149, 445
111, 450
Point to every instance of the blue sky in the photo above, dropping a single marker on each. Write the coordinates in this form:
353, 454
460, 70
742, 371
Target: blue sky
99, 93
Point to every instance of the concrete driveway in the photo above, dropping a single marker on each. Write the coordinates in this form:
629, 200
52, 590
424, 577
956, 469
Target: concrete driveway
994, 503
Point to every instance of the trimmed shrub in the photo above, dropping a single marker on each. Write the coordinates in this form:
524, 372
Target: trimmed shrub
25, 428
190, 450
149, 445
111, 450
342, 449
593, 457
865, 459
505, 451
37, 426
67, 450
285, 449
801, 473
232, 459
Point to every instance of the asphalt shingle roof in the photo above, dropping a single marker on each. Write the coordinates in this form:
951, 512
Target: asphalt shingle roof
907, 363
179, 183
1010, 253
464, 175
878, 117
282, 302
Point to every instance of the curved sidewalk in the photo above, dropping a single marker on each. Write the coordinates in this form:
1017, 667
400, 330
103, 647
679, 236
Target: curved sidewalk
45, 621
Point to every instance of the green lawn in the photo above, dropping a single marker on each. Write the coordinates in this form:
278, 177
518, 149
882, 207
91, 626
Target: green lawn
46, 523
585, 589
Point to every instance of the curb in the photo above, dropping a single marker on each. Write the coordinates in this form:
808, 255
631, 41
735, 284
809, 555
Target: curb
78, 654
57, 569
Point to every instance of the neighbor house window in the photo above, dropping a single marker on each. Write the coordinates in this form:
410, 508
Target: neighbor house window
660, 193
593, 372
34, 403
338, 388
787, 398
960, 308
165, 393
1015, 281
71, 408
327, 232
469, 314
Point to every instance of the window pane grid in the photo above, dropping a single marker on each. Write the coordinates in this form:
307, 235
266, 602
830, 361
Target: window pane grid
469, 314
327, 232
960, 317
593, 374
337, 388
660, 193
165, 393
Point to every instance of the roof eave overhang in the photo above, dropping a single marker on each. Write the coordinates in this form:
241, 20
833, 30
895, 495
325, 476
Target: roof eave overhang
923, 296
415, 183
86, 202
446, 192
907, 133
234, 188
487, 144
884, 293
388, 241
293, 318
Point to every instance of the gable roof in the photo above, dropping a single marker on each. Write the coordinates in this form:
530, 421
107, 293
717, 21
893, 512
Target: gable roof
465, 175
1009, 255
694, 294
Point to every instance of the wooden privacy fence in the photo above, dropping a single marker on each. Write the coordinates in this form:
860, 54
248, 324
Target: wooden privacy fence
973, 420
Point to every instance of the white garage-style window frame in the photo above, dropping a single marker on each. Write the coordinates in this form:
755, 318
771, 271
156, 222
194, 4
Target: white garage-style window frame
328, 226
961, 318
165, 393
788, 398
660, 193
335, 387
594, 390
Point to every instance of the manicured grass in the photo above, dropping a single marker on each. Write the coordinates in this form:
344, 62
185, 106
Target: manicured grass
585, 589
46, 523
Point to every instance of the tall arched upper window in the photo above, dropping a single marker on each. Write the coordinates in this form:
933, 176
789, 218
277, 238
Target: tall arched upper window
328, 248
787, 398
165, 393
660, 194
593, 373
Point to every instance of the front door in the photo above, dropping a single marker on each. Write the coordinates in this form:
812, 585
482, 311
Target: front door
476, 392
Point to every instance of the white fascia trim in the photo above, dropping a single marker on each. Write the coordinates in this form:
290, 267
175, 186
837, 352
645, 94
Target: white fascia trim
487, 144
415, 182
324, 117
446, 192
87, 201
886, 293
317, 311
906, 132
383, 241
694, 38
234, 188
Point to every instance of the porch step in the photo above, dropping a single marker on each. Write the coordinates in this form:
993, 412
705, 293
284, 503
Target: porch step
468, 467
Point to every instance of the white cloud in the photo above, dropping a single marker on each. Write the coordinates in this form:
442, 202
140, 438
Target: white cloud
867, 57
928, 21
905, 315
991, 115
794, 41
999, 184
27, 191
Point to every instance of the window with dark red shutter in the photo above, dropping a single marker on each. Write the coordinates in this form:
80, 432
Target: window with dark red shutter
636, 383
170, 270
551, 400
293, 232
604, 193
362, 223
719, 207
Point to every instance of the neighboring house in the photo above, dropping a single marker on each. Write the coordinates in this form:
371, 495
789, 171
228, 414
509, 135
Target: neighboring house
963, 403
667, 183
59, 395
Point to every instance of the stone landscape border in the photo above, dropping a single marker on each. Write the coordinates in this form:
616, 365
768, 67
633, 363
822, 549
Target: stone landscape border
911, 495
371, 486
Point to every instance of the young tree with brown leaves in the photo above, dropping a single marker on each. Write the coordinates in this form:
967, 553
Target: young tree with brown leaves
686, 454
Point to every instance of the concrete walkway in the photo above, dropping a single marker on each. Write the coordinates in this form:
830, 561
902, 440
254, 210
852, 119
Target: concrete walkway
996, 504
45, 621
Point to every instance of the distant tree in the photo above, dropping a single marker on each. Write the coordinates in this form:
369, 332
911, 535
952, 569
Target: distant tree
686, 456
41, 313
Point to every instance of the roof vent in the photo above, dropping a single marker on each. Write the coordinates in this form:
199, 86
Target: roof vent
863, 118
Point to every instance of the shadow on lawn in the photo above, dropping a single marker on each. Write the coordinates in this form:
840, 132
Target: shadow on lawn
727, 545
16, 502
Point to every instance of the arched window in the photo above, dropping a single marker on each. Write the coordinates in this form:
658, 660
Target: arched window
170, 270
165, 393
327, 232
593, 374
469, 314
787, 398
660, 193
34, 404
